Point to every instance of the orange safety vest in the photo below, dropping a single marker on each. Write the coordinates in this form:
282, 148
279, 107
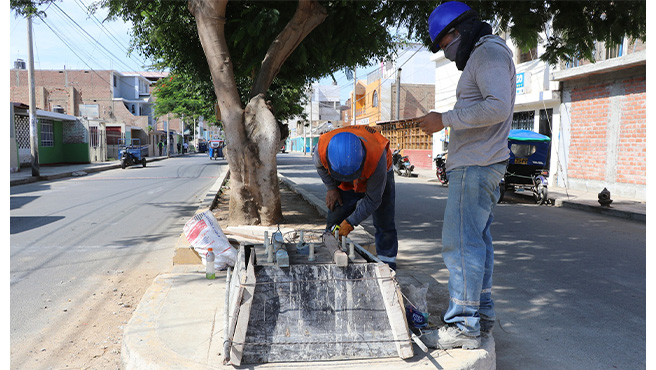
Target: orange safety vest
374, 144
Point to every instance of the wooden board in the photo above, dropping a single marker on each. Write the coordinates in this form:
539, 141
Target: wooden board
247, 287
395, 310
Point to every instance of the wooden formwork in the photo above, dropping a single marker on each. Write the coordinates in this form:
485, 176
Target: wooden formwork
313, 311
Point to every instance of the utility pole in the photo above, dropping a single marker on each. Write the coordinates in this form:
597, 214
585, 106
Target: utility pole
168, 151
398, 94
34, 130
355, 86
305, 139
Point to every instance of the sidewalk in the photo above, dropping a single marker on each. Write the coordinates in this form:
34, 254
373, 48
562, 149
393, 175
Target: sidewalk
586, 201
179, 322
54, 172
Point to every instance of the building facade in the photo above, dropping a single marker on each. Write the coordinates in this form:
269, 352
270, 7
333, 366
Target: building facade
594, 114
114, 105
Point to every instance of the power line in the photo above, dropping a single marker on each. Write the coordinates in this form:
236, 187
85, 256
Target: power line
92, 38
116, 42
71, 49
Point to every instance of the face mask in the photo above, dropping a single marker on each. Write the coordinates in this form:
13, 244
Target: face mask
451, 49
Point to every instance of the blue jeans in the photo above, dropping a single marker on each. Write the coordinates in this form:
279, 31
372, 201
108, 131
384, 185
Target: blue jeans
467, 244
387, 244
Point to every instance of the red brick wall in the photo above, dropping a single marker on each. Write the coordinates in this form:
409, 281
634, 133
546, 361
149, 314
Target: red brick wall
632, 148
90, 87
590, 114
420, 158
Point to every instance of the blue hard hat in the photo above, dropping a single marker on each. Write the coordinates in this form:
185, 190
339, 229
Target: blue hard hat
444, 18
346, 155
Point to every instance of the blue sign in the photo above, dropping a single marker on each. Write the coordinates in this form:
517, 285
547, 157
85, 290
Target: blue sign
520, 83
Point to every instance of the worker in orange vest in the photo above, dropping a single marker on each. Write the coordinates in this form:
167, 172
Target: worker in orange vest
355, 165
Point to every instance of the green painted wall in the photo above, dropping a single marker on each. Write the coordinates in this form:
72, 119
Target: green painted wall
60, 152
52, 154
77, 153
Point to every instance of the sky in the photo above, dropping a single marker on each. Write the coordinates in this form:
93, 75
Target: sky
96, 44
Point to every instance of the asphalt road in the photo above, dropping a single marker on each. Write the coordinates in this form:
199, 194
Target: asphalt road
67, 235
569, 286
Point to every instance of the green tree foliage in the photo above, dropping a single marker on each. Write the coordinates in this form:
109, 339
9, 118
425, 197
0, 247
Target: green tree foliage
180, 95
574, 25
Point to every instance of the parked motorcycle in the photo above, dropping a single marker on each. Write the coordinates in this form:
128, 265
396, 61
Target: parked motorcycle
401, 164
440, 168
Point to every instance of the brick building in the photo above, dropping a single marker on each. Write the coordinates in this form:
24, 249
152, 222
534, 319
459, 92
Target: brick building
603, 126
594, 114
114, 105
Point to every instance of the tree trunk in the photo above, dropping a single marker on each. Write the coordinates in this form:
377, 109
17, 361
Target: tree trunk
252, 134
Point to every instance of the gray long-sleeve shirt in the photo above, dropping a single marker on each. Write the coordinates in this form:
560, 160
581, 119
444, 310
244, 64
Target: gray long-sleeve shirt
373, 195
481, 119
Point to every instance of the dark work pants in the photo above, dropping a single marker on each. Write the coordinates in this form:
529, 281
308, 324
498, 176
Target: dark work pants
387, 244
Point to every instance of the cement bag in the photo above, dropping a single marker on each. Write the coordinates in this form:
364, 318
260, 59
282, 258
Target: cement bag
203, 231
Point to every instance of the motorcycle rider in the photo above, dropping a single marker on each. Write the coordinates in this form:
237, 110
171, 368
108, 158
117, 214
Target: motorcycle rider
478, 156
355, 165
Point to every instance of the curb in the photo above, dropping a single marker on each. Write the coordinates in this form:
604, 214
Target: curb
309, 197
628, 215
62, 175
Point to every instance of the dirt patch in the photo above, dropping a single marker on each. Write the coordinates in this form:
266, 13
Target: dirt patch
88, 333
297, 213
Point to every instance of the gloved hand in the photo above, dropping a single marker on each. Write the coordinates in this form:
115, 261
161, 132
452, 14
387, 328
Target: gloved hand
333, 198
345, 228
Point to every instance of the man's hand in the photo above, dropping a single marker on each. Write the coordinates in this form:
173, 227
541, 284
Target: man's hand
431, 123
332, 197
345, 228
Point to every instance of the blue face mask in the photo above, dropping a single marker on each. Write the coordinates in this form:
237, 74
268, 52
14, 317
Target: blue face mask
451, 50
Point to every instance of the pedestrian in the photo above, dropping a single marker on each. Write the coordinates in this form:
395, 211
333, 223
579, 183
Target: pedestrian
185, 147
355, 165
478, 155
160, 146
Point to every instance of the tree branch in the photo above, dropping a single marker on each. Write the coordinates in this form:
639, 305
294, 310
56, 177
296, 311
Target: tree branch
210, 22
309, 14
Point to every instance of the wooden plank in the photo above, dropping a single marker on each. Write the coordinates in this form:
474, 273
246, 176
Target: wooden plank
236, 292
395, 311
339, 257
241, 328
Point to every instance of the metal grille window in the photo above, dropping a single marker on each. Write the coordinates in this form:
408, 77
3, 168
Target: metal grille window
375, 99
47, 133
22, 131
523, 120
93, 136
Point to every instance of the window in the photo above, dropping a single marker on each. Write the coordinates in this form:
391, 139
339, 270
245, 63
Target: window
546, 117
93, 136
115, 84
523, 120
47, 133
528, 56
375, 99
522, 150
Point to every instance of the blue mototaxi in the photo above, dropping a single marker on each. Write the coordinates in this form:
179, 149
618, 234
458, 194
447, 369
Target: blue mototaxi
216, 149
527, 166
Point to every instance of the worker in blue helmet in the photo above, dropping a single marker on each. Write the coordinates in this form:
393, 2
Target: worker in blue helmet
355, 165
478, 155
